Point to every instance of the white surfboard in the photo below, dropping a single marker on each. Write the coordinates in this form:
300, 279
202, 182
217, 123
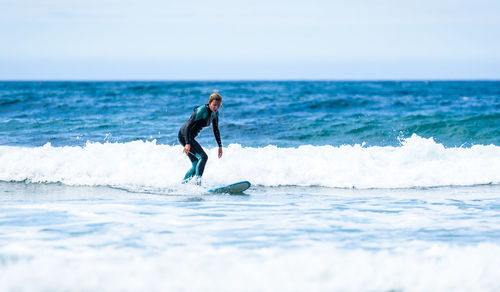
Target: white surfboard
235, 188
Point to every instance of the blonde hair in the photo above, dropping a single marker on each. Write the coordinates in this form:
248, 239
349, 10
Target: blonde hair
214, 96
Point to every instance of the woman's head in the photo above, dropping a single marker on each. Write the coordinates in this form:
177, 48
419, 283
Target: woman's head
214, 102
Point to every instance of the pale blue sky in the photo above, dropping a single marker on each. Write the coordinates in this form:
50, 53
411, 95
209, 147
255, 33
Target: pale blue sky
258, 39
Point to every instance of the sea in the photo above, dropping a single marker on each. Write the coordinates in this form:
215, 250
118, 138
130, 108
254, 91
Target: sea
356, 186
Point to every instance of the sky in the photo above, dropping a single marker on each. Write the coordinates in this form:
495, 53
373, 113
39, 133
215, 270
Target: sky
256, 40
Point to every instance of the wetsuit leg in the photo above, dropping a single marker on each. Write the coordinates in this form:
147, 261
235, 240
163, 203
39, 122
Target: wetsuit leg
194, 161
201, 156
197, 156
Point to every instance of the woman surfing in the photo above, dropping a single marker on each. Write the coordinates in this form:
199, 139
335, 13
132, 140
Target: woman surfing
202, 117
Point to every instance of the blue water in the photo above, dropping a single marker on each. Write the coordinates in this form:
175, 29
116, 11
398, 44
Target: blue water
255, 113
356, 186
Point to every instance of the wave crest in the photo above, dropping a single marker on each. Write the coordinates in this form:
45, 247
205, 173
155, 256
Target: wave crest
417, 162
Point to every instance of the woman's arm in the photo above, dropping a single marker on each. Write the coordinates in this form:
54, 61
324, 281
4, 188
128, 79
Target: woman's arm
215, 127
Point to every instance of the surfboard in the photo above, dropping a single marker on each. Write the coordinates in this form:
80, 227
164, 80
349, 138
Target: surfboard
235, 188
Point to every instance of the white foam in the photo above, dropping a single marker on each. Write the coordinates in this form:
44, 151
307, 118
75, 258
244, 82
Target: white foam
418, 162
436, 267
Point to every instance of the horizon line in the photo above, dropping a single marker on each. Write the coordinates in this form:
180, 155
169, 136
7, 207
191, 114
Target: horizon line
261, 80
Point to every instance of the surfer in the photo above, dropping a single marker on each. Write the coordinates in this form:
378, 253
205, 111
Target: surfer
202, 116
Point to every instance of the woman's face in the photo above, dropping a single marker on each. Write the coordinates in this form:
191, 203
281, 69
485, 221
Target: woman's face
214, 105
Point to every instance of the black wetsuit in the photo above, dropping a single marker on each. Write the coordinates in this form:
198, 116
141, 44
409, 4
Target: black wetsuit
202, 117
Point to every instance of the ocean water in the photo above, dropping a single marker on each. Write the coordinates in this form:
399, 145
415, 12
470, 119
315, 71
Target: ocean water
357, 186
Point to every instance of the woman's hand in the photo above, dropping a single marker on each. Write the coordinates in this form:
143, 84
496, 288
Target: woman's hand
187, 148
220, 152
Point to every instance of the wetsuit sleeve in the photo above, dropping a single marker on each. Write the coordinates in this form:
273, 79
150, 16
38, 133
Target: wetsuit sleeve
215, 126
189, 126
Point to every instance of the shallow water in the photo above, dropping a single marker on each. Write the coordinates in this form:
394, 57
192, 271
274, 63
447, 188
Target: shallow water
271, 238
